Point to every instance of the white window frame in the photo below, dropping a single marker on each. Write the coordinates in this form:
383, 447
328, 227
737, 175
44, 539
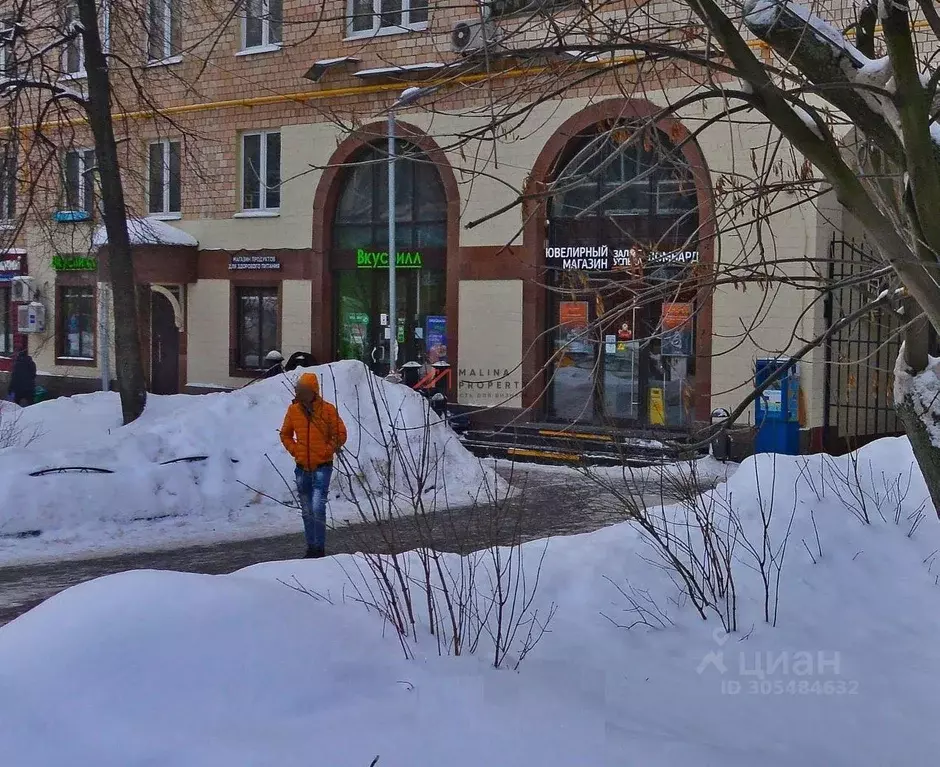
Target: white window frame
104, 18
266, 43
85, 177
165, 212
8, 186
377, 30
168, 57
264, 209
6, 28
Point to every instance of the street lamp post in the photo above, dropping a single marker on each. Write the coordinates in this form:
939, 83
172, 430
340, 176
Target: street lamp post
392, 251
408, 96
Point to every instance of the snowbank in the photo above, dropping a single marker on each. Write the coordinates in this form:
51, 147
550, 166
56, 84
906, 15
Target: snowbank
175, 669
147, 502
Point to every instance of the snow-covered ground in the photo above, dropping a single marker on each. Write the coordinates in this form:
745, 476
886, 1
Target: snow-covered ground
178, 669
146, 503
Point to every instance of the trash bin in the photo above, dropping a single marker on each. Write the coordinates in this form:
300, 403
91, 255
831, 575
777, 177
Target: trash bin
721, 442
776, 410
40, 394
411, 373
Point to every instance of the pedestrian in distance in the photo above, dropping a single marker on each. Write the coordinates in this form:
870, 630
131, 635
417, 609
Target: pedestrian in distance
23, 379
312, 433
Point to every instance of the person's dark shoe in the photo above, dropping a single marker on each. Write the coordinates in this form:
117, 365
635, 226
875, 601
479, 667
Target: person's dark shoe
314, 552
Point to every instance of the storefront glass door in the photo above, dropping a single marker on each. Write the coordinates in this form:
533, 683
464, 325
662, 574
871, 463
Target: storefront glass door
362, 322
628, 365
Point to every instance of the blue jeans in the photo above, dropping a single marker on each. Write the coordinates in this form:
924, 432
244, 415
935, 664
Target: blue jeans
313, 487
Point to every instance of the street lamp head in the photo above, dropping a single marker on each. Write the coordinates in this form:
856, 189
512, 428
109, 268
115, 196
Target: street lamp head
411, 95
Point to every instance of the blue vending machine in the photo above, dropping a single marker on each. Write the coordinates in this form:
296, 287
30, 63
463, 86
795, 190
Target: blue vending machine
776, 411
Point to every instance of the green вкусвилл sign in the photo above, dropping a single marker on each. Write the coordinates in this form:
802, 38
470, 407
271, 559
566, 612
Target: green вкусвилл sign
74, 263
369, 259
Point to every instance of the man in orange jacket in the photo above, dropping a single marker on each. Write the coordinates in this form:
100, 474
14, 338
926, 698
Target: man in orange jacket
312, 433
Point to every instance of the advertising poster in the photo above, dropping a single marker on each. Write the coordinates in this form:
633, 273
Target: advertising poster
435, 336
677, 329
572, 324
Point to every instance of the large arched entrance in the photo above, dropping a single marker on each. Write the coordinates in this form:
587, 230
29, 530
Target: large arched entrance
359, 258
620, 254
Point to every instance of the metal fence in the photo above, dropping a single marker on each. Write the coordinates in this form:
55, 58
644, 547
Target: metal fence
860, 357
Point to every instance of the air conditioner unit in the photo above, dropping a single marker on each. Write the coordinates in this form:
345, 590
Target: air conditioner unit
474, 35
21, 289
31, 318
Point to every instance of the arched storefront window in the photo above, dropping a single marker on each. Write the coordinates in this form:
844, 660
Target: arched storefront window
625, 187
360, 253
622, 221
420, 208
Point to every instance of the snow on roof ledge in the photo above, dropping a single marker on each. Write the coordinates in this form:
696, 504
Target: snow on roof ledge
149, 231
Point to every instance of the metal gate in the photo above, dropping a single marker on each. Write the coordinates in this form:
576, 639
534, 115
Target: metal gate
860, 357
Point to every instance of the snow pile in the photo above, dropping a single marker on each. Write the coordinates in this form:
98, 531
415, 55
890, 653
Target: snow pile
188, 670
924, 392
234, 492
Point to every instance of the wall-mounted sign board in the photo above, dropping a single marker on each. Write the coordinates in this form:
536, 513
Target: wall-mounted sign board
254, 263
74, 263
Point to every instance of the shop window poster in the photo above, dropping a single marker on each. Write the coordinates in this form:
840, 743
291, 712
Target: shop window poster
677, 329
436, 339
572, 325
355, 334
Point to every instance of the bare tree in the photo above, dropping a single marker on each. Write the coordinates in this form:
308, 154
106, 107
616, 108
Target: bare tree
850, 105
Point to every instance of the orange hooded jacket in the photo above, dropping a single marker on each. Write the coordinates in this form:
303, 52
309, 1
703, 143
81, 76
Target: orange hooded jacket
312, 437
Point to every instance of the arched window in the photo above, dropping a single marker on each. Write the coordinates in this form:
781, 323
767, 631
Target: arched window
624, 186
420, 208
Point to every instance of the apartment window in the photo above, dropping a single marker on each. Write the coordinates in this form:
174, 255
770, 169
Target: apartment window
7, 181
164, 30
256, 326
502, 8
164, 177
6, 322
7, 63
262, 24
76, 326
79, 183
261, 171
371, 16
74, 56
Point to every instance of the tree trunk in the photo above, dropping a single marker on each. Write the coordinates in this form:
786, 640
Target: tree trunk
925, 453
129, 365
916, 359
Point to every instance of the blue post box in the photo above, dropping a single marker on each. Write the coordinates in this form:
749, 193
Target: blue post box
776, 410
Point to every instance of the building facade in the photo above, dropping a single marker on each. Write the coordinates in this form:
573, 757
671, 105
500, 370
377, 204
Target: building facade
558, 264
